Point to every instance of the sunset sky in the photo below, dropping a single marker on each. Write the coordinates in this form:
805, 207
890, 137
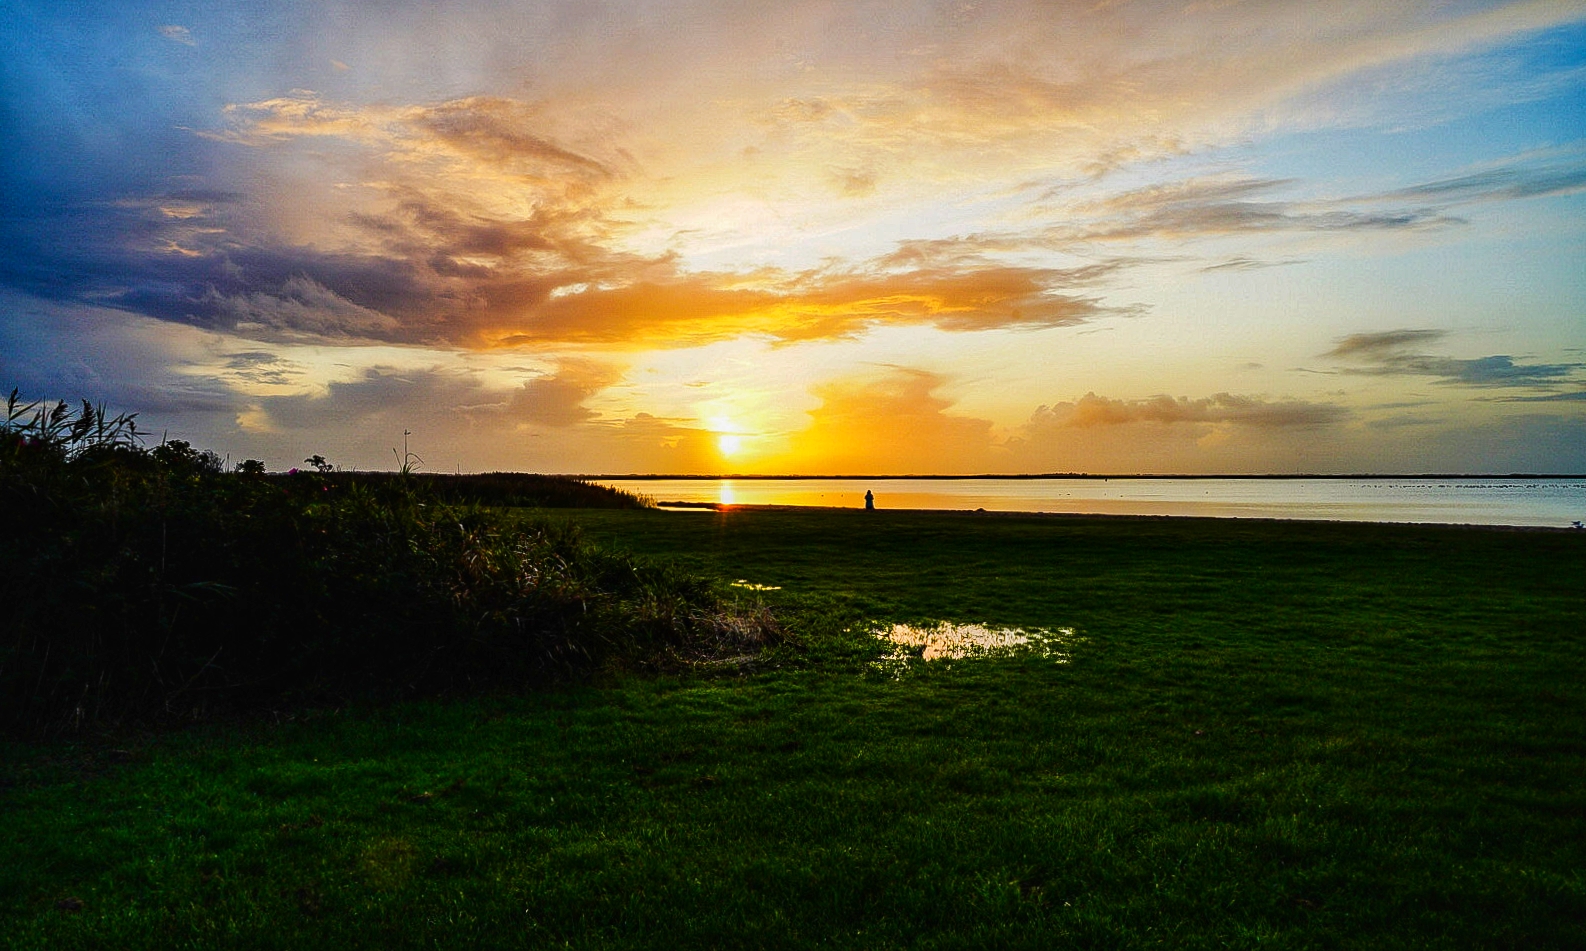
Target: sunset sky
817, 237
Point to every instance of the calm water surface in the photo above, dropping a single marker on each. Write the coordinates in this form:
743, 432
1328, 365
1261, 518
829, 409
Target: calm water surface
1474, 501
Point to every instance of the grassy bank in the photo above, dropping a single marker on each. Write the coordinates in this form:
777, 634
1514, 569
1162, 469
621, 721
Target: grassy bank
1268, 734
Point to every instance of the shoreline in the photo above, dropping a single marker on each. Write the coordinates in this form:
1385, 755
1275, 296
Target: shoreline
1082, 477
722, 508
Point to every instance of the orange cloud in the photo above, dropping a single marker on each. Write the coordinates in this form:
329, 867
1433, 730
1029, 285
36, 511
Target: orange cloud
495, 232
894, 423
689, 309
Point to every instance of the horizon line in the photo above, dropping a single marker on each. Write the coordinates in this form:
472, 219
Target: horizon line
1084, 475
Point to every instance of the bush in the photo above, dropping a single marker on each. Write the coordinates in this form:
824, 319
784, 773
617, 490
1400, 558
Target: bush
151, 584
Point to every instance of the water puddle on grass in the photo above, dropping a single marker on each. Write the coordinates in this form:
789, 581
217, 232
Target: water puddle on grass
947, 640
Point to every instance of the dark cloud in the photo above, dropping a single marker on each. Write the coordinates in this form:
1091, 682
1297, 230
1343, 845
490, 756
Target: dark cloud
438, 269
300, 305
420, 225
391, 398
558, 399
128, 255
175, 396
504, 132
1571, 396
124, 361
379, 397
1405, 421
1499, 370
1375, 344
259, 366
1391, 353
1522, 177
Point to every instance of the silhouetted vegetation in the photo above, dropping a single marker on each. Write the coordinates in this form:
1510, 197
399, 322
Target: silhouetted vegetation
519, 489
150, 583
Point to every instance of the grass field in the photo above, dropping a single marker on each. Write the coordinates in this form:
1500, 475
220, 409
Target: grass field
1264, 734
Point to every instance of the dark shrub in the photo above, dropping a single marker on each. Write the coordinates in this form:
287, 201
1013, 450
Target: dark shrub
150, 583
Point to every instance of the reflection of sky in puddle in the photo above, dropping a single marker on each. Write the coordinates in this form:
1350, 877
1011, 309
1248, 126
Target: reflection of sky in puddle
948, 641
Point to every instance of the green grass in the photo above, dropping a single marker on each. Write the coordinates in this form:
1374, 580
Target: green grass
1269, 735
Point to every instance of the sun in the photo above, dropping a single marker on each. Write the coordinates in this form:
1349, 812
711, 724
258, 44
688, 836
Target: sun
730, 438
740, 438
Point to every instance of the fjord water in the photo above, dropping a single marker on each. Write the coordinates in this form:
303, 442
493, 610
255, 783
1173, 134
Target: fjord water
1539, 502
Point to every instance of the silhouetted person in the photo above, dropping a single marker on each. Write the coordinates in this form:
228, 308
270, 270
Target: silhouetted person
870, 501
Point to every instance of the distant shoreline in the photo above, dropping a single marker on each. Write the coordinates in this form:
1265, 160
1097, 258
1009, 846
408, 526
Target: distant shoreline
723, 507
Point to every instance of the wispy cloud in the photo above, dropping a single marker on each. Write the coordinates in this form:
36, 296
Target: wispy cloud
504, 136
1246, 263
1227, 206
1534, 175
178, 34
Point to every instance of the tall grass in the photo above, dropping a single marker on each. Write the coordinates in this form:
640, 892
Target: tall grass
148, 583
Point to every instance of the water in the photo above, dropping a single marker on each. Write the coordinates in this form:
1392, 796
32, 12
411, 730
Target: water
955, 641
1473, 501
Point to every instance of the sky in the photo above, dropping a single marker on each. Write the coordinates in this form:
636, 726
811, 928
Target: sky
732, 236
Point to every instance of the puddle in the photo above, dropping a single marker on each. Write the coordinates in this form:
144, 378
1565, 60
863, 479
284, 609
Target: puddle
740, 583
949, 641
